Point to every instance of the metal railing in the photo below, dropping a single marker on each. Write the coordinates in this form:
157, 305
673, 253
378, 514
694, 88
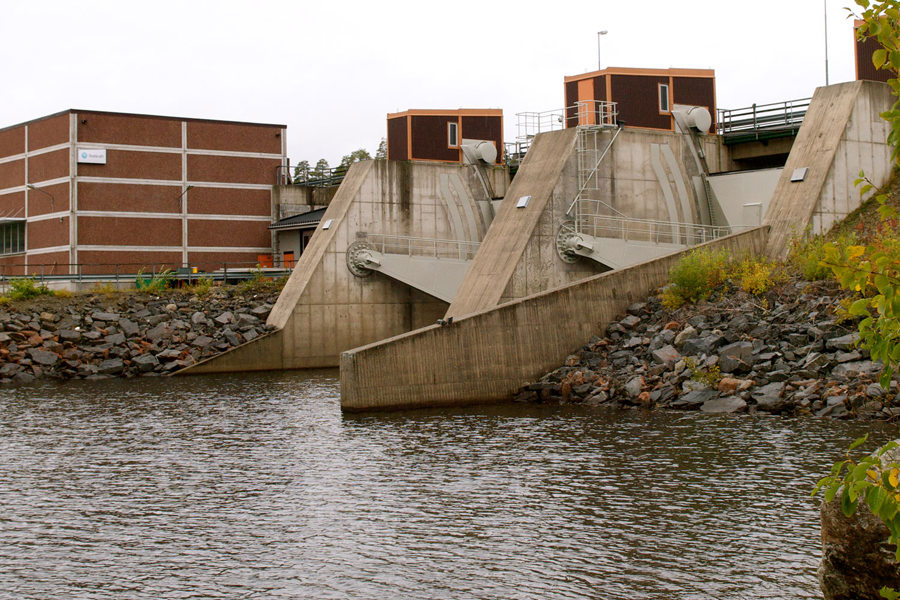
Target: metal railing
331, 176
422, 247
779, 116
131, 272
650, 231
514, 152
586, 113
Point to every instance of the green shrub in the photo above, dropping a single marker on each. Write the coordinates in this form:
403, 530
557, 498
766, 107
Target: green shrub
710, 376
807, 254
156, 283
257, 282
701, 272
25, 288
757, 275
107, 289
695, 277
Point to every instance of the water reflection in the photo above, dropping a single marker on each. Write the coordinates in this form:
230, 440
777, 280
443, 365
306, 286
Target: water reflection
256, 486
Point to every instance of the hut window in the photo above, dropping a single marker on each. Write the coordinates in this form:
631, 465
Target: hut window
453, 135
664, 97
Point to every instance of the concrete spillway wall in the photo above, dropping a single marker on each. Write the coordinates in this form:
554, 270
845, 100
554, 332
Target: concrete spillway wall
487, 356
324, 309
841, 134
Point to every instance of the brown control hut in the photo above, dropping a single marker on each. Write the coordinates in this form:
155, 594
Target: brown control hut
863, 51
437, 135
644, 97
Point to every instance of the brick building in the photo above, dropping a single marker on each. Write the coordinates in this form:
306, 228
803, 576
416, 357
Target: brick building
100, 189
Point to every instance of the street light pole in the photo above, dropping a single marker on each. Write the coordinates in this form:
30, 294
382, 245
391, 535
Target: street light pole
599, 33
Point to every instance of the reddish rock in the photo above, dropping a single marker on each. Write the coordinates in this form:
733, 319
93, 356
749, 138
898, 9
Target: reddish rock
728, 385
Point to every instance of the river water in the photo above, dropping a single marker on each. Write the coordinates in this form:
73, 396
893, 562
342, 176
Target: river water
256, 486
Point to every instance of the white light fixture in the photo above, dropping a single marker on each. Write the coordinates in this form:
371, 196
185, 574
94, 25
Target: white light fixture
327, 224
523, 201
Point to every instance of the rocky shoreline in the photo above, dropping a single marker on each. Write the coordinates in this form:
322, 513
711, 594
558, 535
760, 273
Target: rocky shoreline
126, 334
788, 352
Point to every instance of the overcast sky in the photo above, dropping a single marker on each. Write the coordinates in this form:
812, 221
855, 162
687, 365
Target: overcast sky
331, 71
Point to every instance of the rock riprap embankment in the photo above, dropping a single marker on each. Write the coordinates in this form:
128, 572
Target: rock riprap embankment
787, 353
96, 336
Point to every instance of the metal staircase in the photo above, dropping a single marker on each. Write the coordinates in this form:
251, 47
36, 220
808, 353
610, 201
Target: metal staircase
590, 155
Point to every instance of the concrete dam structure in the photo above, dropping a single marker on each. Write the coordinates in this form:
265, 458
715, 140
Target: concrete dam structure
593, 220
403, 244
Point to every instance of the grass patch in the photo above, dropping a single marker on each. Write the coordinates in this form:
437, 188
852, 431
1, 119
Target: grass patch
202, 286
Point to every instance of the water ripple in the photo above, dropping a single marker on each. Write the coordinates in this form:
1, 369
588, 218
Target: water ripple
256, 486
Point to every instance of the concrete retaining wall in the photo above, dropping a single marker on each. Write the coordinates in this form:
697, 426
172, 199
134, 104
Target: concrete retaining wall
302, 195
489, 355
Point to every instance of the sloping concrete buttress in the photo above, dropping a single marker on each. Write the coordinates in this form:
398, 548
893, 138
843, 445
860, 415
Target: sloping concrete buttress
841, 134
504, 245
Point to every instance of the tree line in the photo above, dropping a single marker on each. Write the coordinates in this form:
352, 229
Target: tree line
304, 172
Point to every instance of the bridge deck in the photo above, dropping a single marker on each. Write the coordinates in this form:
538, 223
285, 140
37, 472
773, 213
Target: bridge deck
762, 121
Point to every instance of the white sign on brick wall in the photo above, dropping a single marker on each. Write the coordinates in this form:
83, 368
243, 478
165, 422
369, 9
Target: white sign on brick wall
93, 156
